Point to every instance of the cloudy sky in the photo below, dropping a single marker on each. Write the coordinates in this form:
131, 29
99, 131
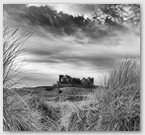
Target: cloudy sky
80, 40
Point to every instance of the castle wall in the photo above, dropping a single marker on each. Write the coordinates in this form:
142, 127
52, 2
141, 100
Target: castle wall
67, 81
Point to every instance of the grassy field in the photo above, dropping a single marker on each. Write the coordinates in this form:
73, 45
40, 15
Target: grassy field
116, 107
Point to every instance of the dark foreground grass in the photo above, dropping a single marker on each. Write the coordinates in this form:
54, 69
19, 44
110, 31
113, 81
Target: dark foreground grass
113, 108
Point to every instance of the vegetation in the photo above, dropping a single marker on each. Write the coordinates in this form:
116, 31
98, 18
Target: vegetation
116, 107
12, 48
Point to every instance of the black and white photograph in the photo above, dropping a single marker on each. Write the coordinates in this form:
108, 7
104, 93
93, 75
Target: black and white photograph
71, 67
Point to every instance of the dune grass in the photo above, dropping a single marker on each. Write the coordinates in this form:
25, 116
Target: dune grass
121, 100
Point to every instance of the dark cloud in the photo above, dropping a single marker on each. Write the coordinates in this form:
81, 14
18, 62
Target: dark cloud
42, 60
43, 52
62, 24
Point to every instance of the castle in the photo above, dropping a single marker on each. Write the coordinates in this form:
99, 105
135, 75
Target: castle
68, 81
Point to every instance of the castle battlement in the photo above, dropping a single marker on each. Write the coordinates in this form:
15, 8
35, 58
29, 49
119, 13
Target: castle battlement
68, 81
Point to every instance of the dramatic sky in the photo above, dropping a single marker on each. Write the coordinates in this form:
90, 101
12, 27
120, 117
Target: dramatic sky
79, 40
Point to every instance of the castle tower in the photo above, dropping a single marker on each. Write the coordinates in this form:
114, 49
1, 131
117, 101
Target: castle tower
60, 78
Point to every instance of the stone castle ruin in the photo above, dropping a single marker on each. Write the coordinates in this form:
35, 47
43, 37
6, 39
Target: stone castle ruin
68, 81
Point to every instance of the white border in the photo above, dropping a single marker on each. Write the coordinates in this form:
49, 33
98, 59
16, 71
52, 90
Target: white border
142, 2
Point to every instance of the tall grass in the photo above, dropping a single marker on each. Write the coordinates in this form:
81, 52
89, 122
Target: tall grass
12, 48
13, 42
17, 115
121, 101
